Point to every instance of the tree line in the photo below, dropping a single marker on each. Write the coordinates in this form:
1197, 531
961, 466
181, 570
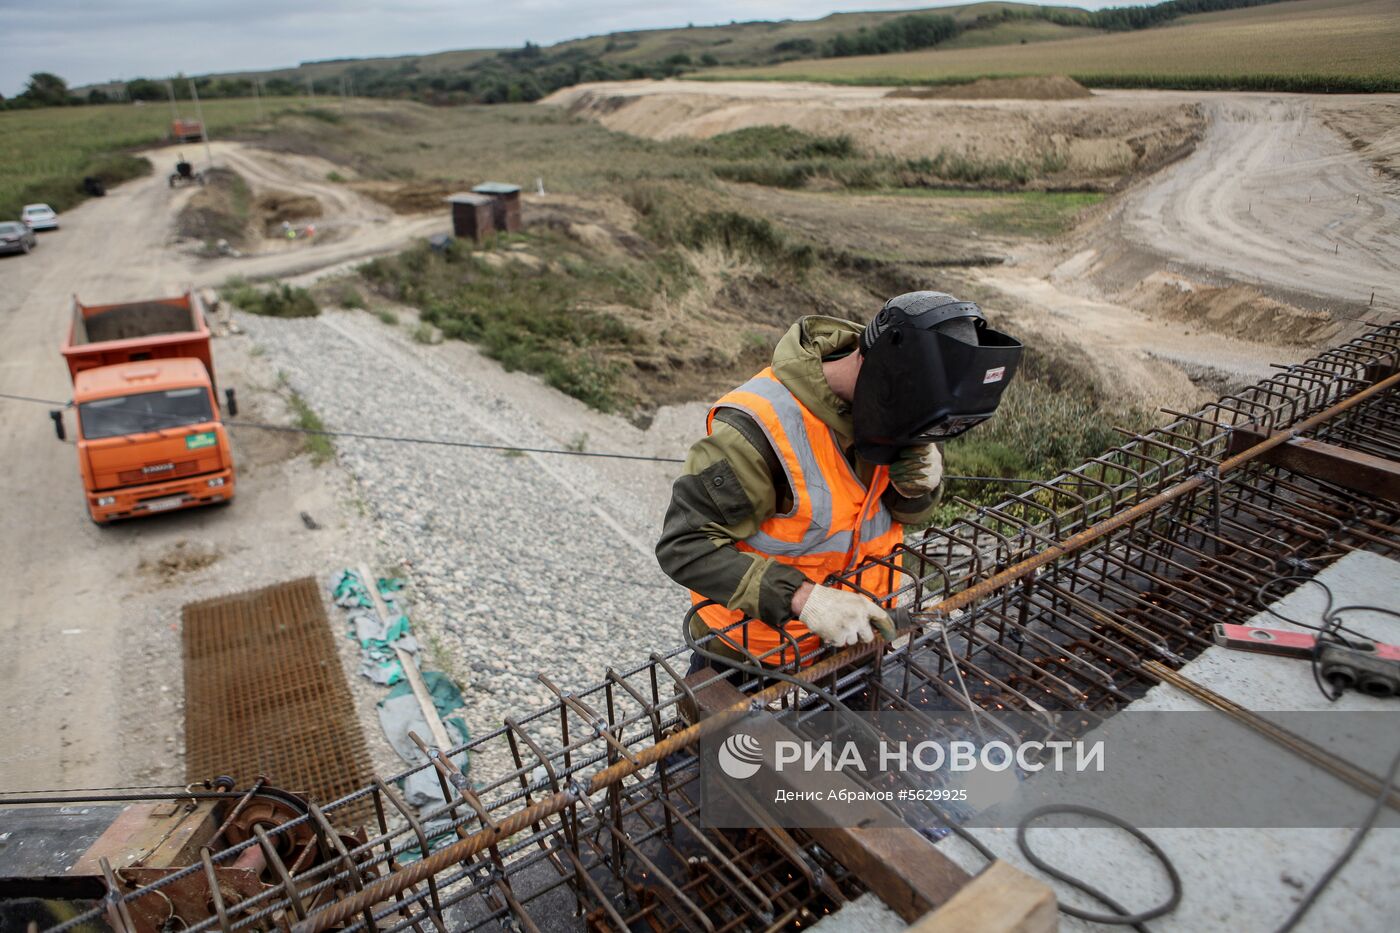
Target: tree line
923, 31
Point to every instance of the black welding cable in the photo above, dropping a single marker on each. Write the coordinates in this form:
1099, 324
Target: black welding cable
473, 445
1331, 627
1345, 856
1122, 916
78, 790
66, 798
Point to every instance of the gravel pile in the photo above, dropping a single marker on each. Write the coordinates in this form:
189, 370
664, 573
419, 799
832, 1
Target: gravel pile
518, 563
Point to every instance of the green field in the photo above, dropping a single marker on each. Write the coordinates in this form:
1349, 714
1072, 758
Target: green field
1303, 45
47, 152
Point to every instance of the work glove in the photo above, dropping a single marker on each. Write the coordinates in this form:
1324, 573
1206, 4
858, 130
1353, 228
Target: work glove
917, 471
840, 617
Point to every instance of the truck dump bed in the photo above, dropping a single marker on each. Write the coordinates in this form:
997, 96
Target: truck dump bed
186, 130
165, 328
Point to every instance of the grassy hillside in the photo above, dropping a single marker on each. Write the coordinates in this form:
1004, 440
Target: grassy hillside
1302, 44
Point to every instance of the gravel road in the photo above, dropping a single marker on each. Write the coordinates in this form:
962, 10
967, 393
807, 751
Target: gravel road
518, 563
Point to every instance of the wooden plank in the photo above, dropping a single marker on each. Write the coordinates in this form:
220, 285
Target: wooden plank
371, 583
410, 667
1350, 469
902, 867
1002, 899
425, 699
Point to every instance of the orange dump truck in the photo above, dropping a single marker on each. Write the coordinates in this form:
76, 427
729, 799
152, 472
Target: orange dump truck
186, 131
149, 435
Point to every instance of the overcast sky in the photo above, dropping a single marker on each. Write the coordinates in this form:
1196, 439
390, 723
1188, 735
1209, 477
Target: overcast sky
88, 41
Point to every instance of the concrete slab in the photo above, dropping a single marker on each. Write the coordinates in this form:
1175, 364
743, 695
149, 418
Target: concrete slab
1244, 879
1265, 683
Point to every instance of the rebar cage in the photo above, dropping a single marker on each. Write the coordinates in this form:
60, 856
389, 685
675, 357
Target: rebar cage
585, 813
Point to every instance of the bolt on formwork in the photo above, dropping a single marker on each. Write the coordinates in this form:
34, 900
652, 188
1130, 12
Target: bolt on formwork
1055, 599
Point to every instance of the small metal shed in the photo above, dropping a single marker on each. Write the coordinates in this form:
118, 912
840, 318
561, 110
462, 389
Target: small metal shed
505, 204
472, 216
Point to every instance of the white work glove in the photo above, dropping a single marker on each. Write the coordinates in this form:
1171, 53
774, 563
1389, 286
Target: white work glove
917, 471
840, 617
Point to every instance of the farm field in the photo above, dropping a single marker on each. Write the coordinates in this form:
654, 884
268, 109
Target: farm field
47, 152
1298, 45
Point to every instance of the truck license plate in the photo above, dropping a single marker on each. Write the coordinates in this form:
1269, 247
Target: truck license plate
161, 505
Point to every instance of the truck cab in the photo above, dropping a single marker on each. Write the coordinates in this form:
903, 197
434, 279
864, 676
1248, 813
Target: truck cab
149, 435
149, 439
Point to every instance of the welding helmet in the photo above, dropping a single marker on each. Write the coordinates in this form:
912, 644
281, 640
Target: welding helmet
932, 370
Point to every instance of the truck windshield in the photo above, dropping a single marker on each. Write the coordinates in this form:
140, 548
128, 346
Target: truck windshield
148, 411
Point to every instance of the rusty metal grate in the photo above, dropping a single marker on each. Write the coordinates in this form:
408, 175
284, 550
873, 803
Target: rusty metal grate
265, 695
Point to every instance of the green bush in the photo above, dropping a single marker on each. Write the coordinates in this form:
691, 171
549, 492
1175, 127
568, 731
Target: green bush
542, 324
670, 220
1048, 422
324, 115
319, 446
274, 301
777, 142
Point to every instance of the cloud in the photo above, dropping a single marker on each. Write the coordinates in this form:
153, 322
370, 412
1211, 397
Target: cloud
89, 42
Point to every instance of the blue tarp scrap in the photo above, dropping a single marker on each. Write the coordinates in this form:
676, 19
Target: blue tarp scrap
376, 637
399, 712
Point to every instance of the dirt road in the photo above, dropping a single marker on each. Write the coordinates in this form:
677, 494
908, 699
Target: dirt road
91, 663
1273, 196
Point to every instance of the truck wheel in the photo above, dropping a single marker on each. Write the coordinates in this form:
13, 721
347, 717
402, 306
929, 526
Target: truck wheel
172, 181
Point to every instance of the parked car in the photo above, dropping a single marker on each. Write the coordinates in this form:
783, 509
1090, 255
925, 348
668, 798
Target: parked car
16, 237
39, 217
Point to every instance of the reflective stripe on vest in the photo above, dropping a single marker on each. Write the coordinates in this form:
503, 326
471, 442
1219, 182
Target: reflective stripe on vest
818, 536
815, 535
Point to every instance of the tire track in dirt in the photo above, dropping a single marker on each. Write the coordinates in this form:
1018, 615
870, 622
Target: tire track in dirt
1275, 197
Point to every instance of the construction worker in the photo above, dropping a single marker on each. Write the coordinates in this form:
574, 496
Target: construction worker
815, 465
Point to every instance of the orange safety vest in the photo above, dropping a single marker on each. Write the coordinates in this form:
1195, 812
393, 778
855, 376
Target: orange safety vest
816, 535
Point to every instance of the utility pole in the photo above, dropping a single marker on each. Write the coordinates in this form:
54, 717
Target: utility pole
310, 86
257, 95
174, 110
203, 127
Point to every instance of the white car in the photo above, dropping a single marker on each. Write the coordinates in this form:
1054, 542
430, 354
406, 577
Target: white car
39, 217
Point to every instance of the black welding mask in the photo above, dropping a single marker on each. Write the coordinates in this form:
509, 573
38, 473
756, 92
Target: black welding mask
932, 370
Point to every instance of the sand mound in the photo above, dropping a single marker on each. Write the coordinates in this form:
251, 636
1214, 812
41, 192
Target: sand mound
416, 197
1238, 311
1044, 87
218, 211
277, 207
1092, 143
